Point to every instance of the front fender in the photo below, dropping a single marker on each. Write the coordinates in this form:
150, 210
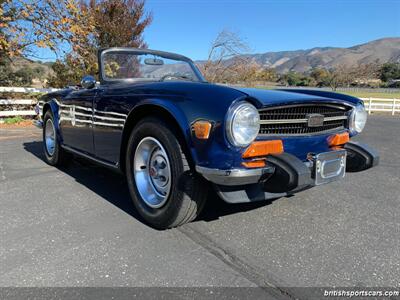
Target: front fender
213, 151
174, 111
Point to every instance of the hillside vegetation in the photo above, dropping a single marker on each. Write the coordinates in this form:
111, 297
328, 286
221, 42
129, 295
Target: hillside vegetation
382, 50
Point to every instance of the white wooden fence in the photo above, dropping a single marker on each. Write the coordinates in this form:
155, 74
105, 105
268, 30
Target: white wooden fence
371, 104
9, 89
380, 104
16, 103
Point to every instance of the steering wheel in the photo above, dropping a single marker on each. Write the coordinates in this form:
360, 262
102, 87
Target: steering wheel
174, 76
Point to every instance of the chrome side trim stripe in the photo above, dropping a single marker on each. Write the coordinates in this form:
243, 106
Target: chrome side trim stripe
108, 124
109, 118
69, 112
89, 109
77, 107
110, 113
90, 115
77, 114
76, 120
91, 122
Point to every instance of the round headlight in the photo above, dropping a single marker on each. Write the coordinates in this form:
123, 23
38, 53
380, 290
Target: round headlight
242, 124
358, 118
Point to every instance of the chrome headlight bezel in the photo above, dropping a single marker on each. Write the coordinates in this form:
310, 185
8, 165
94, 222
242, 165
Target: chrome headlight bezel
358, 119
236, 111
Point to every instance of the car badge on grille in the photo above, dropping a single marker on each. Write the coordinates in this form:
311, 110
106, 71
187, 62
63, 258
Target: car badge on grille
315, 120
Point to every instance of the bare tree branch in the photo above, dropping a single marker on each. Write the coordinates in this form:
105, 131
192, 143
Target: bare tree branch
225, 57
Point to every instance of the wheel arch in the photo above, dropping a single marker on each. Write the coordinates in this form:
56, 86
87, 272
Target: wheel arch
172, 116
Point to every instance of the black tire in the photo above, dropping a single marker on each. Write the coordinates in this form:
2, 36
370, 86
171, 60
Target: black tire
188, 191
58, 157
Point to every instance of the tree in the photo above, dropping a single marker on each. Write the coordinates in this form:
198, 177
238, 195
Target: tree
119, 22
341, 75
21, 77
290, 79
389, 71
296, 79
225, 57
267, 74
39, 72
66, 73
320, 76
26, 24
115, 23
6, 75
365, 74
245, 72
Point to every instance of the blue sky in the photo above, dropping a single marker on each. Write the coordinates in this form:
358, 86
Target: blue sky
189, 26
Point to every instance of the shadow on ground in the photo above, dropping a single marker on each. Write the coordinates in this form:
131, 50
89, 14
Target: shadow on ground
112, 187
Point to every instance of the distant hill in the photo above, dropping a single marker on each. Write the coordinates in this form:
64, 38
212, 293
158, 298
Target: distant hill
384, 50
43, 68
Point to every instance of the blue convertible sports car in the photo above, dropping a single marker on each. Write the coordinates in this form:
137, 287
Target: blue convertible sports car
154, 118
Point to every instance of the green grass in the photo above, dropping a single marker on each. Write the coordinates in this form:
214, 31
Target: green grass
372, 95
355, 94
13, 120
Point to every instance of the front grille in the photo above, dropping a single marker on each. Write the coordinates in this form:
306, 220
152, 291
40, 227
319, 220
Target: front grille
294, 119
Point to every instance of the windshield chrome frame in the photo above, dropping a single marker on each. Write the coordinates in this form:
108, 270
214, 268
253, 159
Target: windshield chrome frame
139, 51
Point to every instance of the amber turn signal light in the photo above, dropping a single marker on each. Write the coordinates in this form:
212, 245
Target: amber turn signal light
254, 164
202, 129
339, 139
263, 148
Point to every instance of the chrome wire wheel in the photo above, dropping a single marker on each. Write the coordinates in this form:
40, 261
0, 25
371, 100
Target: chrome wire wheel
50, 137
152, 172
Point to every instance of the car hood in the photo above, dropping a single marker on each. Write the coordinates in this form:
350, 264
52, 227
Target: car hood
284, 97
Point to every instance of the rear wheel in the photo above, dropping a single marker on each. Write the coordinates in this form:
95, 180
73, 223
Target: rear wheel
164, 189
54, 154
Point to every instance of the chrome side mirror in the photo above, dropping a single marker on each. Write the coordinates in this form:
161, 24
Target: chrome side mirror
88, 82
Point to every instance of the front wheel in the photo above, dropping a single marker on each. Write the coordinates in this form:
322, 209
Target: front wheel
164, 190
53, 153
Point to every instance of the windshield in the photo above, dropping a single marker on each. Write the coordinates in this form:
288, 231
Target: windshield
134, 66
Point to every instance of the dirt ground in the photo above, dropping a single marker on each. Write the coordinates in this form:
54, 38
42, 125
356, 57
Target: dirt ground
23, 124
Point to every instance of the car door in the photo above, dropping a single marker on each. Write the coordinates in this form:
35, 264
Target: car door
110, 113
76, 120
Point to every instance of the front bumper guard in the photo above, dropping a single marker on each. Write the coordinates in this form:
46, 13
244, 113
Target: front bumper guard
360, 157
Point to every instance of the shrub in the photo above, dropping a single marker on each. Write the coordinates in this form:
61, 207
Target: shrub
13, 120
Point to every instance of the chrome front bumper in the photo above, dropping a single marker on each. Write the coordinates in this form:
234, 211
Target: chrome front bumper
234, 176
